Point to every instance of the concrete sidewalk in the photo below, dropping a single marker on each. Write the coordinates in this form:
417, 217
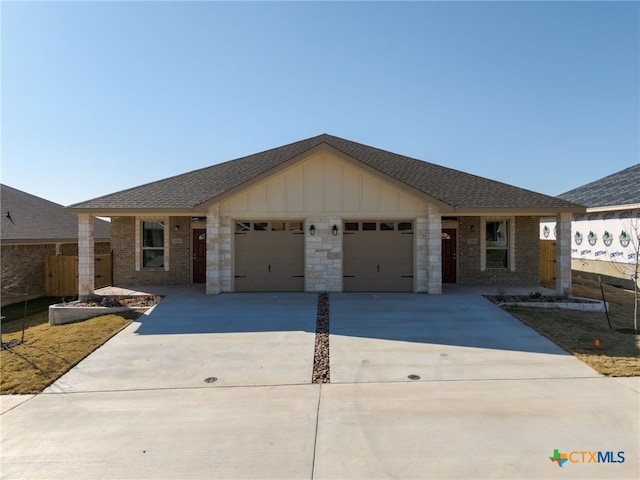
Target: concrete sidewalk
494, 399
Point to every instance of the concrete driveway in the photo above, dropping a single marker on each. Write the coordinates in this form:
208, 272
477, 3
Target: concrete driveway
494, 399
239, 339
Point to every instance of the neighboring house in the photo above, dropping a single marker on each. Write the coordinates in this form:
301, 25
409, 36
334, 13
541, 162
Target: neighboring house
605, 238
32, 229
325, 214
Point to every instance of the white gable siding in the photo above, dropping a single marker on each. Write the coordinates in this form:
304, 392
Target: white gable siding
324, 184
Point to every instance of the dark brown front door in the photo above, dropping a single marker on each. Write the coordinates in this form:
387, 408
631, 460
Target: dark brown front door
448, 255
199, 255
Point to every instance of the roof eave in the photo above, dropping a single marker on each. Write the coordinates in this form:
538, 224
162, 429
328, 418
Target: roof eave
40, 241
518, 211
610, 208
130, 211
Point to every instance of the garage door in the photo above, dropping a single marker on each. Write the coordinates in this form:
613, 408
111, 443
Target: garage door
269, 256
378, 256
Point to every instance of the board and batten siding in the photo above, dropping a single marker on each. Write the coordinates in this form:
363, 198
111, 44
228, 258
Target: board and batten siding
324, 184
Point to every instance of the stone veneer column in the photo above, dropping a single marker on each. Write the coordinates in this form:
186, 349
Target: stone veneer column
86, 257
225, 239
213, 251
563, 254
421, 281
323, 255
434, 251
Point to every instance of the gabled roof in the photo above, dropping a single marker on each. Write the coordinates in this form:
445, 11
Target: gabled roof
30, 219
454, 189
621, 188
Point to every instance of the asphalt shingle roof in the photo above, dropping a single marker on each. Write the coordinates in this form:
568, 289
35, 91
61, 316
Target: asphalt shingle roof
30, 219
621, 188
451, 187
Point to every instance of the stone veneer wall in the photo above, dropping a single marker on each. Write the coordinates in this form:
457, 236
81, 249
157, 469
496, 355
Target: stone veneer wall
219, 252
527, 255
323, 255
123, 242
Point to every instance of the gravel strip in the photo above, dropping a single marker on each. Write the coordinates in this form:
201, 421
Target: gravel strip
321, 354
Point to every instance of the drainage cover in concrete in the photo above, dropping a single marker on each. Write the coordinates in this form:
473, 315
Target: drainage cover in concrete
210, 379
414, 377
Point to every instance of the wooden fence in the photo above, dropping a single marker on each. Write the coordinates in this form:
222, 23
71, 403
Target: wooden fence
61, 274
547, 261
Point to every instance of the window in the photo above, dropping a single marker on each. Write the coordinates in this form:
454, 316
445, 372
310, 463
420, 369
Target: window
260, 226
405, 226
296, 227
497, 244
351, 226
242, 227
386, 226
369, 226
152, 244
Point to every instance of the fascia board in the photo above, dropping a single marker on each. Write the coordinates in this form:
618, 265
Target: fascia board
614, 208
123, 212
536, 212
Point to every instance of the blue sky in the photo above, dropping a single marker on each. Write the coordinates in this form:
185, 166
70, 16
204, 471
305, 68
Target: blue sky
102, 96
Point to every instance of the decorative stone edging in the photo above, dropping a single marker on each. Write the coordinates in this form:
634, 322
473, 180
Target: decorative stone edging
580, 304
321, 370
63, 313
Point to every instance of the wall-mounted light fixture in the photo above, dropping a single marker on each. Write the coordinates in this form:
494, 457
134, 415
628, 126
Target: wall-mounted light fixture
472, 228
335, 230
177, 228
312, 229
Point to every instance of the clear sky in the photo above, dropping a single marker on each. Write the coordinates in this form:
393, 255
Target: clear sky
102, 96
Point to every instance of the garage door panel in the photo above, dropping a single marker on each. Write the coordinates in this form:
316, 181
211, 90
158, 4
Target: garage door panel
269, 257
378, 260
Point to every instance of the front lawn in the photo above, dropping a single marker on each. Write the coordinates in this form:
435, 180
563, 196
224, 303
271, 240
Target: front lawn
49, 352
587, 334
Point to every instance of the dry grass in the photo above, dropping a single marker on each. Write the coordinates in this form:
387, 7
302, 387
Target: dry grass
618, 354
49, 352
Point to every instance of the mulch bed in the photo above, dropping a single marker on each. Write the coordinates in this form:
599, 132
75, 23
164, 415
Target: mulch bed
536, 299
133, 301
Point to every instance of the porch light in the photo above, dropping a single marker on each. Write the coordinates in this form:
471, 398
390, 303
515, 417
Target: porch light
335, 230
312, 229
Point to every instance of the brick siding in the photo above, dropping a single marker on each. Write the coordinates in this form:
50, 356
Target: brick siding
527, 271
123, 232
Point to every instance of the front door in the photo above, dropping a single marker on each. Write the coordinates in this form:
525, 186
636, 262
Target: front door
199, 255
448, 255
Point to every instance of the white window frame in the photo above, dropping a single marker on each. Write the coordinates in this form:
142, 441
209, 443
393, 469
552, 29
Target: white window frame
511, 222
138, 244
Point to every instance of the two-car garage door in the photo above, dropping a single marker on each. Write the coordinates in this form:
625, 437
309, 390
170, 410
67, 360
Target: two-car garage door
377, 256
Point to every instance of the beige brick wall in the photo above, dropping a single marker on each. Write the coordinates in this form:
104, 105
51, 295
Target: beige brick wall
123, 238
527, 265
